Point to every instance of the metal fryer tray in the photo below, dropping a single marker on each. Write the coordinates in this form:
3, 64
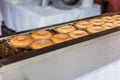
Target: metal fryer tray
24, 55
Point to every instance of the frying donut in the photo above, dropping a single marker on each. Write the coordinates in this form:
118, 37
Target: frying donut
78, 33
96, 22
108, 19
41, 34
116, 17
65, 29
82, 24
58, 38
40, 43
108, 25
20, 41
117, 23
95, 29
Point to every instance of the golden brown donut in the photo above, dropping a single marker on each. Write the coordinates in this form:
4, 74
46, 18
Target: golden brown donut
95, 29
108, 19
58, 38
117, 23
108, 25
40, 43
116, 17
20, 41
41, 34
78, 33
82, 24
65, 29
96, 22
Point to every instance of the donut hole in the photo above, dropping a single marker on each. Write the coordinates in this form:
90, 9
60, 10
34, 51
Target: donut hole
44, 41
21, 38
62, 37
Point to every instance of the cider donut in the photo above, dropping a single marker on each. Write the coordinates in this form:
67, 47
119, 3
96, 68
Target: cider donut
65, 29
96, 22
82, 24
20, 41
108, 25
95, 29
58, 38
108, 19
78, 33
116, 17
40, 43
41, 34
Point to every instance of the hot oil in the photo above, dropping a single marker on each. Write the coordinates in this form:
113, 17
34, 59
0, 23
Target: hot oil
5, 49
